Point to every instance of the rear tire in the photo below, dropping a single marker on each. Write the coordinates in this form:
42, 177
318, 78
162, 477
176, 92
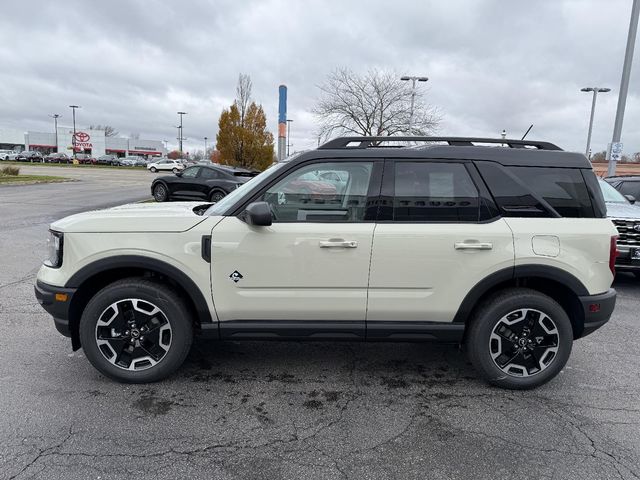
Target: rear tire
216, 196
136, 331
519, 339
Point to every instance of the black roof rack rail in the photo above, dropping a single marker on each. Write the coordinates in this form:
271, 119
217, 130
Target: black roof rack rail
367, 142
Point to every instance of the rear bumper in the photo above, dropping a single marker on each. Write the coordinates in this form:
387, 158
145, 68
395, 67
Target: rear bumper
51, 299
597, 310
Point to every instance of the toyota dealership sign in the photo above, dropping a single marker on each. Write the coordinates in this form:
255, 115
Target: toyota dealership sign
82, 140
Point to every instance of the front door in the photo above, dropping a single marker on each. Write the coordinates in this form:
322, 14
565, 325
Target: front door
312, 264
187, 184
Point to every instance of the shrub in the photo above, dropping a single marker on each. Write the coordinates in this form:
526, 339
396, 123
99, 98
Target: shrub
10, 170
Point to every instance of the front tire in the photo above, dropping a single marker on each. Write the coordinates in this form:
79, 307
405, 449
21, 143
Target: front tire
519, 339
136, 331
160, 192
174, 170
153, 169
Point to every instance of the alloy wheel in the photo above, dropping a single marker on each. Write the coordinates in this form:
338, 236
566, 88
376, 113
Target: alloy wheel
524, 342
133, 334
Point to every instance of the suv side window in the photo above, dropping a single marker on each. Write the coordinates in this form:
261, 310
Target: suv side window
629, 188
209, 174
312, 194
191, 172
434, 192
562, 188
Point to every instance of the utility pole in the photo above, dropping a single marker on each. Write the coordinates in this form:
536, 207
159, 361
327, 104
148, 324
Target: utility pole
595, 91
616, 146
55, 117
73, 139
180, 139
288, 135
413, 96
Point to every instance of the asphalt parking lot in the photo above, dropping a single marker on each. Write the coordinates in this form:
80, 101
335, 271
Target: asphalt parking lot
264, 410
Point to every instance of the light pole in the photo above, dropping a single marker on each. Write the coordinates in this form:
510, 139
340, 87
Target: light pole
73, 139
55, 117
181, 114
205, 146
624, 85
288, 134
413, 96
595, 91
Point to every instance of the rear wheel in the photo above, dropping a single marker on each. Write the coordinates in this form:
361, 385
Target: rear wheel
216, 195
519, 339
136, 331
160, 193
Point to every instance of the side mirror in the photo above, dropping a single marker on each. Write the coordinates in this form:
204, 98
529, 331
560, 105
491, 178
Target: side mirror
631, 199
178, 174
258, 214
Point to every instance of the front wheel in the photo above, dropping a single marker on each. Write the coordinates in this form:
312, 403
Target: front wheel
519, 339
174, 170
160, 193
153, 169
136, 331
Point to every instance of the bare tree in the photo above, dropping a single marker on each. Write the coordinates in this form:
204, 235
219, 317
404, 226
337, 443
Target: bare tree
109, 131
375, 103
243, 95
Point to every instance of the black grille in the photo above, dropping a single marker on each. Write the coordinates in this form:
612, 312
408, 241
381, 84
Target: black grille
628, 232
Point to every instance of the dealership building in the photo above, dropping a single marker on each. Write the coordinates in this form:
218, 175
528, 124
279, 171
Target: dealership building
86, 140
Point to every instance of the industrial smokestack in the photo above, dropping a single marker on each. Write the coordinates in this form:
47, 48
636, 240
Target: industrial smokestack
282, 122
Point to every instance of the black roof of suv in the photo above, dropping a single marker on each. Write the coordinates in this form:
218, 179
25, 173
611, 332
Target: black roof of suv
507, 152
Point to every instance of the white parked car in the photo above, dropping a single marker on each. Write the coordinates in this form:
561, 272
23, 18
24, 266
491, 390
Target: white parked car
165, 165
507, 251
4, 154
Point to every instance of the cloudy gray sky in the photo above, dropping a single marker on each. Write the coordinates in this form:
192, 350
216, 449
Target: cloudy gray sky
492, 64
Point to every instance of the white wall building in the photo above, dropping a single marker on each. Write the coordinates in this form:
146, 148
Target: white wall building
89, 141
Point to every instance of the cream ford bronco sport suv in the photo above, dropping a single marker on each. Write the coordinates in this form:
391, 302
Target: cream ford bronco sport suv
504, 250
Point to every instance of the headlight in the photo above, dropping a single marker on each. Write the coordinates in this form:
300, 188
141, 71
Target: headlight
54, 249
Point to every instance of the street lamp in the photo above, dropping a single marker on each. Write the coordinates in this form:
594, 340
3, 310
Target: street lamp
413, 95
288, 135
205, 146
73, 139
181, 114
595, 91
55, 117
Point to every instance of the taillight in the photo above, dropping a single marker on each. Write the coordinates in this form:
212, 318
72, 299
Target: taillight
613, 253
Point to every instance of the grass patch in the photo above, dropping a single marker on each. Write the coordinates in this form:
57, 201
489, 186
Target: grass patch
29, 179
10, 170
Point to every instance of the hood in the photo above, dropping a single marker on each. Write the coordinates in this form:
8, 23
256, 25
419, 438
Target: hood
136, 217
623, 210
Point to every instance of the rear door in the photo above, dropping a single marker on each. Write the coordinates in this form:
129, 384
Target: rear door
434, 241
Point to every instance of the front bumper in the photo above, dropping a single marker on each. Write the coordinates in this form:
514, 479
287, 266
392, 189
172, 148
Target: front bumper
597, 310
56, 301
624, 262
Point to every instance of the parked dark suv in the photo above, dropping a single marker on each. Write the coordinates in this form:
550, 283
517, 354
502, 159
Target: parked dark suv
200, 182
628, 185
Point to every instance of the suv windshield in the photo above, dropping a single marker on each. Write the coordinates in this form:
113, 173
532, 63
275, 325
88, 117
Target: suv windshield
611, 195
220, 207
